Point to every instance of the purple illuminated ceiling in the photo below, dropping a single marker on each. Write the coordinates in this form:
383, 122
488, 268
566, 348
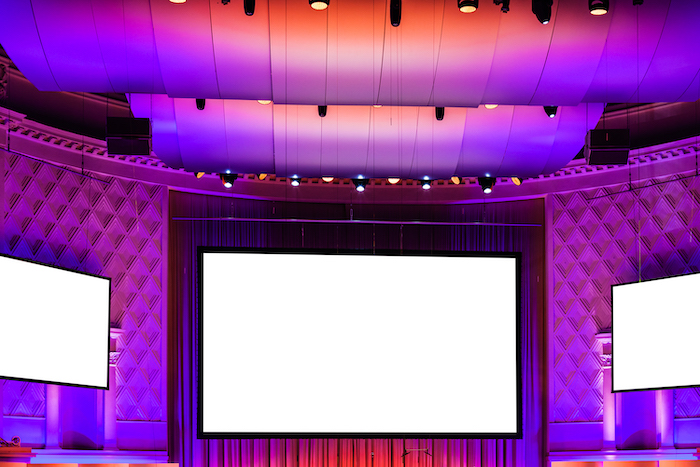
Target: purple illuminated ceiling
349, 57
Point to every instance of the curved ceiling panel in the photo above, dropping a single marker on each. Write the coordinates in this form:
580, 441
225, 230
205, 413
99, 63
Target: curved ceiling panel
160, 110
349, 54
406, 141
183, 34
677, 55
465, 49
19, 34
518, 88
577, 43
628, 51
241, 48
70, 43
125, 33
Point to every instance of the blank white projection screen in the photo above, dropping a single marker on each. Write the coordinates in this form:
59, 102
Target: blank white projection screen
54, 325
655, 340
358, 344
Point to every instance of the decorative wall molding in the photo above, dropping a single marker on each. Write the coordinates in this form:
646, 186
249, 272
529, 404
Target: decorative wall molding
89, 154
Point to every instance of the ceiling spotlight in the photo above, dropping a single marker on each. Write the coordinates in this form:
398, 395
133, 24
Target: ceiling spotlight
425, 183
377, 106
487, 184
360, 184
228, 179
542, 10
262, 176
468, 6
200, 103
322, 110
550, 110
517, 181
264, 101
199, 174
439, 113
295, 181
327, 179
249, 7
490, 106
456, 180
319, 4
395, 12
178, 1
393, 180
505, 5
598, 7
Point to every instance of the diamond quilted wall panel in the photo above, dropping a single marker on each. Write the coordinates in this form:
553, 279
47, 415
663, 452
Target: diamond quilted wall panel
601, 238
113, 229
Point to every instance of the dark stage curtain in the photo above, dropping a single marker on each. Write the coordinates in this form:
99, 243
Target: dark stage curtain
187, 231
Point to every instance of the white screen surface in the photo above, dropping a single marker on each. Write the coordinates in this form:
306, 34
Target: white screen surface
655, 334
311, 343
54, 324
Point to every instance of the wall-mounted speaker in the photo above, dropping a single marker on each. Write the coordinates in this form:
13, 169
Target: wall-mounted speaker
607, 147
128, 136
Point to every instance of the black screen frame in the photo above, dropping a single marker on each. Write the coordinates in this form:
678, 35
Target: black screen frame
109, 325
201, 434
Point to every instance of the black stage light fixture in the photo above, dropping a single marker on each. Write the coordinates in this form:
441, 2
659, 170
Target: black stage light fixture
468, 6
439, 113
296, 181
360, 184
542, 10
637, 2
550, 110
487, 184
395, 12
598, 7
505, 5
322, 110
228, 179
249, 7
319, 4
201, 103
225, 2
426, 183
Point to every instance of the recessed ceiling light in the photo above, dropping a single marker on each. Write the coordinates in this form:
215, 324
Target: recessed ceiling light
327, 179
490, 106
598, 7
264, 101
468, 6
393, 180
319, 5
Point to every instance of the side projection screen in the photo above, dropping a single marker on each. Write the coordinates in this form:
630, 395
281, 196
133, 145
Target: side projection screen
54, 325
655, 341
316, 344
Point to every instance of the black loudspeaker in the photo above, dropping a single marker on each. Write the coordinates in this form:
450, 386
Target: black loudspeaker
607, 147
128, 136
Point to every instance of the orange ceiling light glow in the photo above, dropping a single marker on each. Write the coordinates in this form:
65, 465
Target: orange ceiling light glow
393, 180
456, 180
319, 5
377, 106
262, 176
490, 106
327, 179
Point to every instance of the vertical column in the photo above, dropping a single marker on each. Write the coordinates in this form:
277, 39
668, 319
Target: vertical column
664, 418
110, 396
2, 387
53, 417
604, 338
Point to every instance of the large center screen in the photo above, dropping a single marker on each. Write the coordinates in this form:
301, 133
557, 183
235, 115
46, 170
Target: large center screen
317, 344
